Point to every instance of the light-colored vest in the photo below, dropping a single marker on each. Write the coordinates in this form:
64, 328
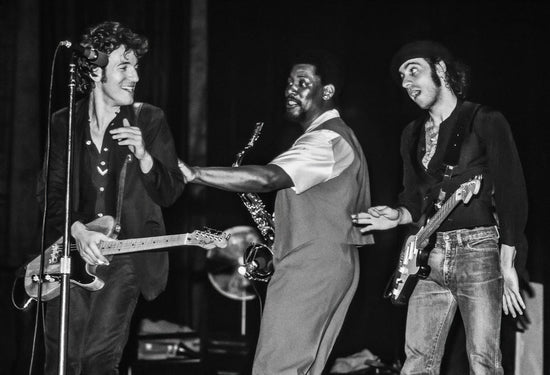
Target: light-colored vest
323, 211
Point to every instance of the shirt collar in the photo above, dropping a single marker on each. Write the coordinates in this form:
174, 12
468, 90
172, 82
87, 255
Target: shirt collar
325, 116
452, 116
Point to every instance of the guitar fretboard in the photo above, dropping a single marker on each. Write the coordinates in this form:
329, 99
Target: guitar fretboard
438, 218
143, 244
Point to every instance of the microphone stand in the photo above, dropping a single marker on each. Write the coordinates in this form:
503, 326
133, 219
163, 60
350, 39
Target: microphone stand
65, 261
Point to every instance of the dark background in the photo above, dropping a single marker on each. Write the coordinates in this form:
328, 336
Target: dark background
249, 44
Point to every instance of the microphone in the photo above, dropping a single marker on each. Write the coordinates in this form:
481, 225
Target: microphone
94, 56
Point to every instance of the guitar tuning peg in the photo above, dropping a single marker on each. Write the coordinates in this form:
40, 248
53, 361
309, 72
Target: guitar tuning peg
208, 230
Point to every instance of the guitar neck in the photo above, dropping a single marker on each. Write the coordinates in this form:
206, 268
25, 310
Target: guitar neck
135, 245
436, 220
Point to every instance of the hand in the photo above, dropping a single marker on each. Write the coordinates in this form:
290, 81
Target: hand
188, 172
130, 136
522, 322
377, 218
87, 242
512, 302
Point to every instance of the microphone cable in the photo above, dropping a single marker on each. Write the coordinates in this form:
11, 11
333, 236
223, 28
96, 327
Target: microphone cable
44, 175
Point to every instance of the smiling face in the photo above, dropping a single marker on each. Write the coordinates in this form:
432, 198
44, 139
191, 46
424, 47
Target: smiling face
304, 94
417, 80
117, 85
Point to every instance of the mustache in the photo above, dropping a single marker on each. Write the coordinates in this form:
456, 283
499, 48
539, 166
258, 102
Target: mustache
292, 97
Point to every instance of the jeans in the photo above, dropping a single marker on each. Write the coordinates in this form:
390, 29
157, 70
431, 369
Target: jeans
465, 273
99, 322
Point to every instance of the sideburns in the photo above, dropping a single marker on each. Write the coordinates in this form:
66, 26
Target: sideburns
103, 76
435, 77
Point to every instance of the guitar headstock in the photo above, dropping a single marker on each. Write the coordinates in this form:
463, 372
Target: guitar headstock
468, 189
208, 239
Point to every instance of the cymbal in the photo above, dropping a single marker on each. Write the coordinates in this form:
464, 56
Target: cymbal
223, 264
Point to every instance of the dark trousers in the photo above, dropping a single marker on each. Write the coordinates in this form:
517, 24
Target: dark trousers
99, 322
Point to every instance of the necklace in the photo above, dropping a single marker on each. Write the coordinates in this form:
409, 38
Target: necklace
432, 134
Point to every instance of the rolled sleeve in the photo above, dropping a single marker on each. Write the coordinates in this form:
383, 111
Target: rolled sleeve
315, 157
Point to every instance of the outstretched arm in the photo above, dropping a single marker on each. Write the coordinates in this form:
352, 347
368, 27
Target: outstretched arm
246, 179
381, 218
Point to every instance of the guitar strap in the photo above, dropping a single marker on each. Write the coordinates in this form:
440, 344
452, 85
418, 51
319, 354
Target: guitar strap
464, 122
136, 107
465, 116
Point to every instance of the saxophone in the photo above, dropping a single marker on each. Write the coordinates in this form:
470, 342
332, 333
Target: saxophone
258, 257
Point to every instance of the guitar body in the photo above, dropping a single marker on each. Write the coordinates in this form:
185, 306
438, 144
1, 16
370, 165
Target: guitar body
82, 274
413, 260
412, 266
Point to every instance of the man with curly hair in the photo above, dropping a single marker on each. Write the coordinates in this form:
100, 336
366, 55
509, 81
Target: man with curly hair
472, 261
113, 136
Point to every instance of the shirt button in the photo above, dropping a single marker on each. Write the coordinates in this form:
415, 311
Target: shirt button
102, 163
105, 149
88, 142
100, 214
101, 188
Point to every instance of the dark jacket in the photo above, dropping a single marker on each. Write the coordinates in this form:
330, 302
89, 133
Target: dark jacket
144, 194
488, 149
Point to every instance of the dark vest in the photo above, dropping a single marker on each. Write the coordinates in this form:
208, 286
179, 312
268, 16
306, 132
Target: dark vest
472, 161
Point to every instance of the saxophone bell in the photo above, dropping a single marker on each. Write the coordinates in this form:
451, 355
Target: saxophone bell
258, 262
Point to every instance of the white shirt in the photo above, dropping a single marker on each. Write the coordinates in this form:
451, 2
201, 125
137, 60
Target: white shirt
316, 156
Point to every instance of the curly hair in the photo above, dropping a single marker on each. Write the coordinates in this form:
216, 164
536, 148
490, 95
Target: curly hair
457, 75
106, 37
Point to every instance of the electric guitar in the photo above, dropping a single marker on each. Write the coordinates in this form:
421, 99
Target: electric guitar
413, 260
84, 275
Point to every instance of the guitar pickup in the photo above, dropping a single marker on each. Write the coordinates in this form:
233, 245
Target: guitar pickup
47, 278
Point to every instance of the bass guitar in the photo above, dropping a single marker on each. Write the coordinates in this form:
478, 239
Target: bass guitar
413, 260
84, 275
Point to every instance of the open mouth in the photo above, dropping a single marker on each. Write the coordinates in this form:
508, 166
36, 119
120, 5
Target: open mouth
291, 102
413, 93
